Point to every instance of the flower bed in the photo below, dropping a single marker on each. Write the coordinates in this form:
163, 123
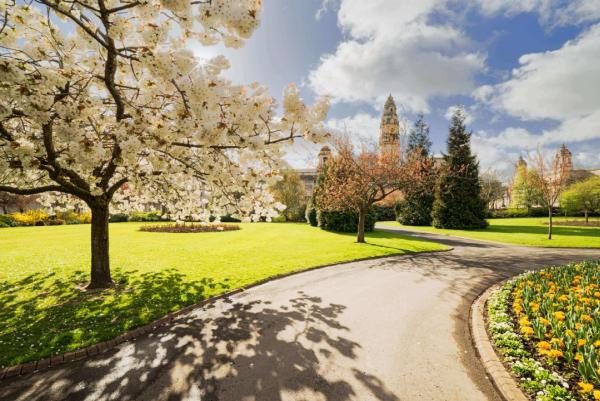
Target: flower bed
189, 228
546, 325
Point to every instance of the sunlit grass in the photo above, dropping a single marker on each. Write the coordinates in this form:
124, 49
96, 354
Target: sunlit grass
43, 312
531, 231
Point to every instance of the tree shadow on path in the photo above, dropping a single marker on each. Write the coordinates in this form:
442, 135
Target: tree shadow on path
225, 351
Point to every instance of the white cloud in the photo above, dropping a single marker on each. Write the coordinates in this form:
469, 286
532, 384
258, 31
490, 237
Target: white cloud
392, 48
325, 6
558, 85
551, 12
362, 128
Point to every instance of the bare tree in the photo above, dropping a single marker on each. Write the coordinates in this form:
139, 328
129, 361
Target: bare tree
549, 179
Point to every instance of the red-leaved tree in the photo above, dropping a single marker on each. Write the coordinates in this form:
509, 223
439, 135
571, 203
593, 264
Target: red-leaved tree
355, 181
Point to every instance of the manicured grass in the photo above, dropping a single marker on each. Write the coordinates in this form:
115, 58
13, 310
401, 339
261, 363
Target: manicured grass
43, 312
523, 231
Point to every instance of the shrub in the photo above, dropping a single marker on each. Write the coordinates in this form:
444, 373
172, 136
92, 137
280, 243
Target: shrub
55, 222
414, 211
7, 220
311, 213
145, 216
346, 221
520, 212
31, 218
119, 218
384, 213
84, 218
229, 219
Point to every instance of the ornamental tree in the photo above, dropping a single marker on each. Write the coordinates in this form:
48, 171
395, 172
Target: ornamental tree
290, 191
102, 103
356, 181
549, 179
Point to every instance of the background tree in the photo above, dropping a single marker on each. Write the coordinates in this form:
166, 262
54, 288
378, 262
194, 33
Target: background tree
492, 189
290, 191
524, 193
549, 179
583, 196
356, 181
415, 209
458, 203
112, 95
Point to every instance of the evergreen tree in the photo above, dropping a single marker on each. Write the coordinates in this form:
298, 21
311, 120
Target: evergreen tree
458, 203
415, 209
418, 138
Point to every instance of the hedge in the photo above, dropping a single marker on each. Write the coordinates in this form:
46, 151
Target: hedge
346, 222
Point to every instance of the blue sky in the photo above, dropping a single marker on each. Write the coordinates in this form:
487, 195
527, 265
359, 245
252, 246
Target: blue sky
527, 71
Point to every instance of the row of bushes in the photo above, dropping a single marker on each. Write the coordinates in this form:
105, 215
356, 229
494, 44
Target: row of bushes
41, 218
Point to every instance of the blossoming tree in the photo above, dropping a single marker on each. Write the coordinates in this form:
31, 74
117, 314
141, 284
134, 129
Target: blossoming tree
103, 103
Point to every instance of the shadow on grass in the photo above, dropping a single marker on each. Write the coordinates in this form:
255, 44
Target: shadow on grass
543, 229
44, 314
226, 351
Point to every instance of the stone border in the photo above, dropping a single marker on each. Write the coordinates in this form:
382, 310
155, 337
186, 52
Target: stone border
503, 381
55, 360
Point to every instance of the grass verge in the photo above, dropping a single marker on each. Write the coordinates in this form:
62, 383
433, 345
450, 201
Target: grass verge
529, 231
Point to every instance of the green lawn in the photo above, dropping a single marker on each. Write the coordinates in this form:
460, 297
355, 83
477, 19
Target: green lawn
523, 231
43, 312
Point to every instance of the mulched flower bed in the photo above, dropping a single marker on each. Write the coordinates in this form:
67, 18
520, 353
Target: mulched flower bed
189, 228
546, 325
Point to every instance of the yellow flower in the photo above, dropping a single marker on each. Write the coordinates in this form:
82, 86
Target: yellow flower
555, 354
597, 344
597, 394
580, 342
577, 326
558, 341
579, 357
559, 315
585, 387
524, 321
587, 318
545, 322
544, 345
526, 330
569, 333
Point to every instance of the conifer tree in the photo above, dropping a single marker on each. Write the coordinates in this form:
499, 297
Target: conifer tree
458, 203
415, 209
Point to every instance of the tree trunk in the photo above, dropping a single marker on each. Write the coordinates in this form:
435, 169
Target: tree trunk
550, 222
585, 212
100, 277
4, 210
361, 227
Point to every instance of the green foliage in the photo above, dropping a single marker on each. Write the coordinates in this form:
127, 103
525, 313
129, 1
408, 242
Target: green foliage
384, 212
415, 209
458, 203
514, 212
291, 192
119, 218
418, 137
145, 216
6, 220
44, 311
345, 221
583, 196
524, 192
311, 212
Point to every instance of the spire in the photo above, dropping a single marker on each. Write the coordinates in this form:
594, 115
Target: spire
390, 105
389, 135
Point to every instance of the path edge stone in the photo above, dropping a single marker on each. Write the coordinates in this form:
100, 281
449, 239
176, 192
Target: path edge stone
91, 350
502, 380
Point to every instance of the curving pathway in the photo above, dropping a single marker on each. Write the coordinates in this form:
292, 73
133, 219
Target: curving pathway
388, 330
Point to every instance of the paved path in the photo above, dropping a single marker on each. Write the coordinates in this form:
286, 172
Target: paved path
389, 329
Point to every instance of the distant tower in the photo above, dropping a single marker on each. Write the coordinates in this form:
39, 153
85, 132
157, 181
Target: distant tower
324, 156
521, 162
389, 135
566, 155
